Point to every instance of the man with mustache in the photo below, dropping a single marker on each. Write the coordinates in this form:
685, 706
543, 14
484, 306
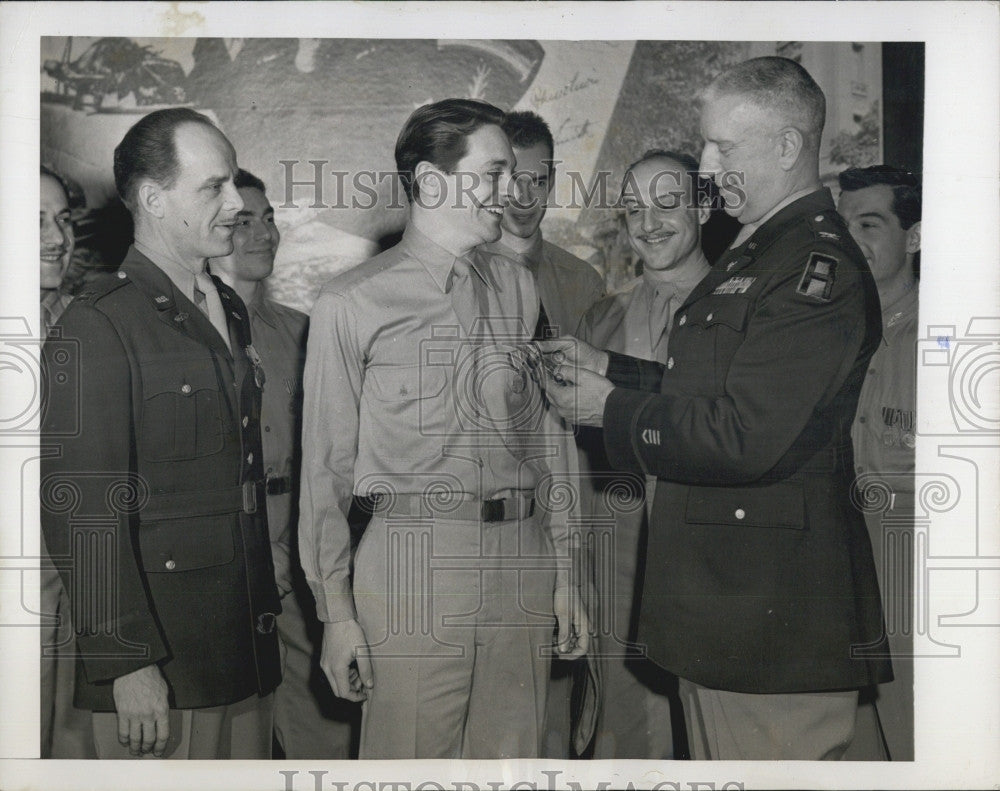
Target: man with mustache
65, 729
57, 244
661, 198
163, 543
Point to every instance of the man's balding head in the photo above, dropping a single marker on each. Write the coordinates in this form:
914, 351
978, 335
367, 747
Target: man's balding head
781, 88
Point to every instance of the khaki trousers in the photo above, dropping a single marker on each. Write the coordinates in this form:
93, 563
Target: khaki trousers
738, 726
634, 721
309, 721
240, 730
892, 540
459, 622
65, 730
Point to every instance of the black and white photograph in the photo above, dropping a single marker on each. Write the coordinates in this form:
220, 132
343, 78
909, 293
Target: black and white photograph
500, 395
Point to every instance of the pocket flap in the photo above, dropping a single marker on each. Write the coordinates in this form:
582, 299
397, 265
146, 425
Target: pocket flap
406, 382
779, 505
185, 544
184, 378
728, 310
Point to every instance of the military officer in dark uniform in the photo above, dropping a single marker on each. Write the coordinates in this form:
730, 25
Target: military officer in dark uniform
760, 591
153, 504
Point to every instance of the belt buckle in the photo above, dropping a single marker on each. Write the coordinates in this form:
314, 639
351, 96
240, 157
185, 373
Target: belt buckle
492, 510
266, 622
249, 497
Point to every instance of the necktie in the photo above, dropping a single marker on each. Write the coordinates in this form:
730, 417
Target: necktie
464, 296
659, 322
206, 297
543, 330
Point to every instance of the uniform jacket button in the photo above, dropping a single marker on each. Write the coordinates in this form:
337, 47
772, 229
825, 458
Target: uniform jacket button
185, 388
670, 362
170, 564
246, 421
709, 317
740, 513
683, 321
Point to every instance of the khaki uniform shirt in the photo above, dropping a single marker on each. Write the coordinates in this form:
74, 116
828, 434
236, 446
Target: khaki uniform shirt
884, 431
387, 405
620, 322
567, 285
53, 303
279, 336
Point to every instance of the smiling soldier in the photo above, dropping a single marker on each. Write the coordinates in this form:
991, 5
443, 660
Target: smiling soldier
660, 199
413, 397
164, 545
567, 285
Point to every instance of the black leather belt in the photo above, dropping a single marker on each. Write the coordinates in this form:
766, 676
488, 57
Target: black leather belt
455, 508
278, 484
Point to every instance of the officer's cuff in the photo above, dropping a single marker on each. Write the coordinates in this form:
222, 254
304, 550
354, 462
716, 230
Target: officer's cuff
621, 413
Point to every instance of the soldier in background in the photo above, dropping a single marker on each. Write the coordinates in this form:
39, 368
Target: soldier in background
567, 285
303, 723
65, 730
882, 207
664, 215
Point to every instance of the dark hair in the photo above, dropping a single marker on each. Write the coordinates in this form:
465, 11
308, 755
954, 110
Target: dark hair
244, 178
47, 171
525, 128
148, 150
906, 193
75, 197
437, 133
776, 85
702, 188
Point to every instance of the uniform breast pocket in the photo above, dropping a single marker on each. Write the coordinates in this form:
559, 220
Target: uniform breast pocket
181, 411
408, 410
721, 324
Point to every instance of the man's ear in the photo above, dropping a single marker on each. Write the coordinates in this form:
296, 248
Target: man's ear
704, 209
790, 144
149, 197
429, 179
913, 239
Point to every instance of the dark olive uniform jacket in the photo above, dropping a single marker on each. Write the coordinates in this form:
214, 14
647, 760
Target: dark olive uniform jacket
151, 427
759, 572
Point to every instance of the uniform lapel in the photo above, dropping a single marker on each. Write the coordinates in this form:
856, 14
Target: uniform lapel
183, 316
173, 308
238, 321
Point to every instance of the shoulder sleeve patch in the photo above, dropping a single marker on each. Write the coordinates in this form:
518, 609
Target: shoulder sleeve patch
818, 277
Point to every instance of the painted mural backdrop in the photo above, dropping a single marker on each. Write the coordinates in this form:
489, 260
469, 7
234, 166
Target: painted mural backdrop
302, 111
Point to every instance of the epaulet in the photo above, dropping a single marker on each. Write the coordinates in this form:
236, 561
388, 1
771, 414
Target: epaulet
826, 225
100, 287
343, 282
